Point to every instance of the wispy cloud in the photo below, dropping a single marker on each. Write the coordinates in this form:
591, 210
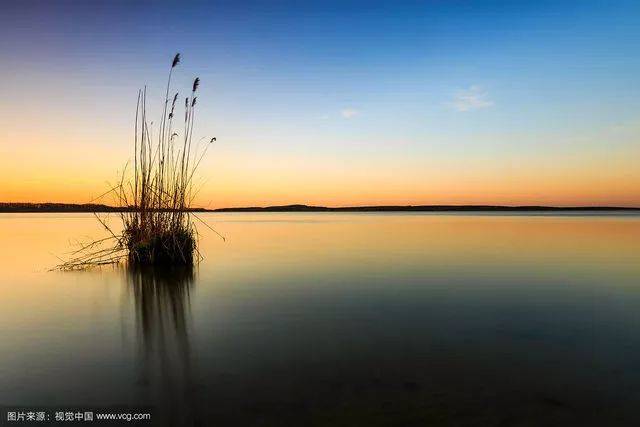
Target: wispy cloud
473, 98
349, 113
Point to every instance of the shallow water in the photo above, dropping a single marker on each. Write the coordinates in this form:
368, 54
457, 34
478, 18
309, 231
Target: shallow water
335, 319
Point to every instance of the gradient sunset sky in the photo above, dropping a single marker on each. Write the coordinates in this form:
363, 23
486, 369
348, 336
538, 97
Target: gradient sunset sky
332, 103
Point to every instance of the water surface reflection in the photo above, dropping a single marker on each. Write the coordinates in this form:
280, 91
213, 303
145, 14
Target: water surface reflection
336, 319
161, 297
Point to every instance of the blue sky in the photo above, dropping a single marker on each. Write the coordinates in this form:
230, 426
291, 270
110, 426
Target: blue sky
328, 86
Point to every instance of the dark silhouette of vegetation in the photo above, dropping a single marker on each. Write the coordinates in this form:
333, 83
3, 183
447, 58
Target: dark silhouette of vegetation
154, 203
69, 207
422, 208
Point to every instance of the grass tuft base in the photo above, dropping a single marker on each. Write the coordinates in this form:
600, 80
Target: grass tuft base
175, 247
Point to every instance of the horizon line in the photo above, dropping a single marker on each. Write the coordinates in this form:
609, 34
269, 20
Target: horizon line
58, 207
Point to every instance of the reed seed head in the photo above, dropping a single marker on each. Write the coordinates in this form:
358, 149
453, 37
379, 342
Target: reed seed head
196, 83
176, 60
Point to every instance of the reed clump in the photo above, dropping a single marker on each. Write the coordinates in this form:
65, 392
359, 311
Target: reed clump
155, 196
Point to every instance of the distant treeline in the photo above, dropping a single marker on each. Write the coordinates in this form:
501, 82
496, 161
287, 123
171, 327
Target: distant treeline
419, 208
64, 207
92, 207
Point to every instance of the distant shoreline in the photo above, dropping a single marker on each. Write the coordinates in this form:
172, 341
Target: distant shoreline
71, 208
65, 208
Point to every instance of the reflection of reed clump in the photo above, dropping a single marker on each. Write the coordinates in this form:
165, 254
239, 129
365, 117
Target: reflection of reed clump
161, 297
162, 310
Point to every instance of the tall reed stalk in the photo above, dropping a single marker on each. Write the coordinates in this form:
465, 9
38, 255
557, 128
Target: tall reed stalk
155, 200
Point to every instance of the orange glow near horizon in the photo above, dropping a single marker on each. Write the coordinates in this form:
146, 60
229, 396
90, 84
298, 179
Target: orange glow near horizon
241, 179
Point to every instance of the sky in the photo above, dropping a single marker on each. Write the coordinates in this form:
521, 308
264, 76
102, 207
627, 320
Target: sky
332, 103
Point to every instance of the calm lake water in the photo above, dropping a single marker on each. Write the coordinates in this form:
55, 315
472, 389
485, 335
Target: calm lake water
335, 319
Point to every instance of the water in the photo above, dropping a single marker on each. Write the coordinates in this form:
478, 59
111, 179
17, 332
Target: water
335, 319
